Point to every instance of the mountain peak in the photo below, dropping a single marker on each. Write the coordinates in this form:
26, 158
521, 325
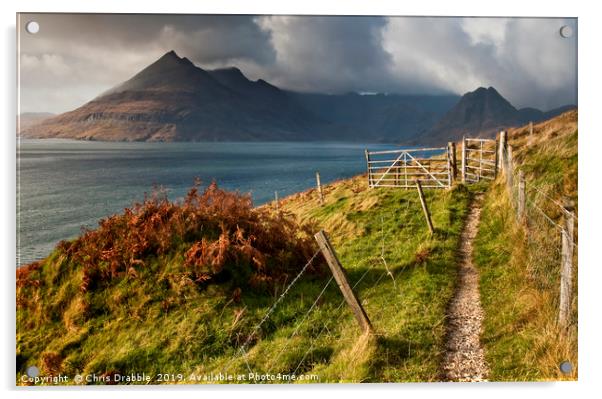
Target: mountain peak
171, 53
482, 91
478, 112
171, 59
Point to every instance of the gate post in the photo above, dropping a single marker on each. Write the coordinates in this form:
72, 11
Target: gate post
463, 159
502, 151
451, 153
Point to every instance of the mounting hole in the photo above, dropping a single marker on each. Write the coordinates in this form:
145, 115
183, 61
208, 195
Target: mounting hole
32, 371
32, 27
566, 31
566, 367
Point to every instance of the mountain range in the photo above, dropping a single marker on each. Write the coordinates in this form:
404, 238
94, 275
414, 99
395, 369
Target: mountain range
174, 100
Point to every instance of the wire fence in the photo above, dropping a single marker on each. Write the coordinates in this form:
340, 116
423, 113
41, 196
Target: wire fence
549, 236
325, 322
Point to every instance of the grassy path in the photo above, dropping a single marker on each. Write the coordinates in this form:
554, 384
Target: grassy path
463, 358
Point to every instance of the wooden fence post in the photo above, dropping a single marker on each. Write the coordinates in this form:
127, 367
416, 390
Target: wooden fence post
425, 208
509, 167
451, 149
320, 193
566, 271
341, 278
496, 162
463, 159
502, 151
276, 201
521, 198
368, 166
449, 167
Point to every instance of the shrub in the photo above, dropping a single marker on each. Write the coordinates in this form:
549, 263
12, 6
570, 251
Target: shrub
220, 233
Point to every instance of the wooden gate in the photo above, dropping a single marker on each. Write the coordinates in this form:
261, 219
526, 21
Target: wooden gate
479, 159
401, 168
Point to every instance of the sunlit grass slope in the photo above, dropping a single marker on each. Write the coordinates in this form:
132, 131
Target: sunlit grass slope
189, 307
520, 265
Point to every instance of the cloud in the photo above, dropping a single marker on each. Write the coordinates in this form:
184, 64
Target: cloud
331, 54
526, 59
74, 57
237, 38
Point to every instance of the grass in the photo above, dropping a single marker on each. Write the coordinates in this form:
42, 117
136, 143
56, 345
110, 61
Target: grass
519, 264
160, 323
187, 301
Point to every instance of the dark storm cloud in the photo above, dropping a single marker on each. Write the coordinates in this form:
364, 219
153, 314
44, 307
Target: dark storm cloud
74, 57
333, 54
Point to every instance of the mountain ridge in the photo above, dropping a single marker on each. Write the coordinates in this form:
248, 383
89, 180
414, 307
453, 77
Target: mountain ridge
174, 100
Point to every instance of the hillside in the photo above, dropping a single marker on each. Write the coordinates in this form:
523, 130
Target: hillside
200, 287
484, 112
376, 117
111, 325
28, 119
520, 262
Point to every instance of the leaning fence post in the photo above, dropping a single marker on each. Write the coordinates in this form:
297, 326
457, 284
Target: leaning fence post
320, 193
341, 278
521, 196
566, 271
463, 159
368, 167
427, 214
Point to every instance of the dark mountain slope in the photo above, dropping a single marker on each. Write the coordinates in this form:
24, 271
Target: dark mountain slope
483, 112
380, 117
173, 100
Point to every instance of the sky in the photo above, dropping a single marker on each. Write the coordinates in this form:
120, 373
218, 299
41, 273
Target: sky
75, 57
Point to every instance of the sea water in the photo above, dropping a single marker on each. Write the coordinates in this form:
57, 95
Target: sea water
64, 185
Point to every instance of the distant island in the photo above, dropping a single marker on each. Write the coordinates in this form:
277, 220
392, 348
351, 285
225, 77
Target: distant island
174, 100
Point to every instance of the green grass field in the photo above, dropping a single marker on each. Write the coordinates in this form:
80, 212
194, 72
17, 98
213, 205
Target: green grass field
161, 321
127, 327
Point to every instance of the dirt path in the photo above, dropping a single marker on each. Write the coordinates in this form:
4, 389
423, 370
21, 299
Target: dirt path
463, 359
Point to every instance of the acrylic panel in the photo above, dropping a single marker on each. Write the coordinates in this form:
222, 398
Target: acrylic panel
295, 199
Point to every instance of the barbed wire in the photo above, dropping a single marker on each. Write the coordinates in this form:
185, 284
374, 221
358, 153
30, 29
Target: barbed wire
324, 325
366, 295
296, 330
271, 309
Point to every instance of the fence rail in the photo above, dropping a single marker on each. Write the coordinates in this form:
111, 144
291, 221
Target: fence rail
401, 168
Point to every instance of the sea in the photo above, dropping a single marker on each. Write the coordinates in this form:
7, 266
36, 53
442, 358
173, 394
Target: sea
64, 185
